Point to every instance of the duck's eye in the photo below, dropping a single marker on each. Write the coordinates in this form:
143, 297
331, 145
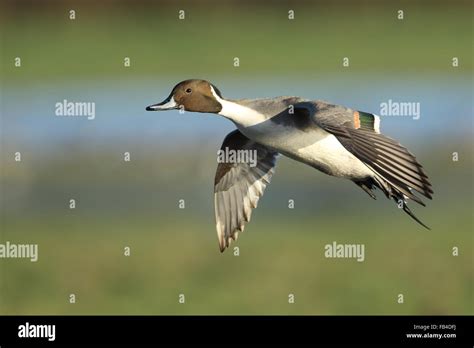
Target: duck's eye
189, 90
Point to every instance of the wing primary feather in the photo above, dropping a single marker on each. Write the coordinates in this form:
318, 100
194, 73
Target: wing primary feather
238, 187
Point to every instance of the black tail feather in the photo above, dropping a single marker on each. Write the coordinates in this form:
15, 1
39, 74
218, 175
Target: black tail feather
367, 187
399, 195
409, 212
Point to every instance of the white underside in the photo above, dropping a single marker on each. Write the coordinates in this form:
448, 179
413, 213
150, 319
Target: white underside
329, 152
317, 148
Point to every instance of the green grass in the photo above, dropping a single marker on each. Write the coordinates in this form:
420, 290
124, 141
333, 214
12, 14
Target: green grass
277, 257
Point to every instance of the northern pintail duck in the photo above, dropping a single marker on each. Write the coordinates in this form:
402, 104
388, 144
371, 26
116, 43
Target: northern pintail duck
331, 138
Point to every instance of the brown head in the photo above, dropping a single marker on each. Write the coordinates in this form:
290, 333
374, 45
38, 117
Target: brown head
192, 95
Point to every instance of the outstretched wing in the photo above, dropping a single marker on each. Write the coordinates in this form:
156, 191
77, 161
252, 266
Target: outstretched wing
238, 185
398, 172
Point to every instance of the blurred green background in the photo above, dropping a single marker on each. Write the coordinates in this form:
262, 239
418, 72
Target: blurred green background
135, 204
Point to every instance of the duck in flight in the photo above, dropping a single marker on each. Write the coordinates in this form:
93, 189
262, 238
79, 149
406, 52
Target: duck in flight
334, 139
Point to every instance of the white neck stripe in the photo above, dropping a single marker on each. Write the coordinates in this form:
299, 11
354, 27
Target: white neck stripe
239, 114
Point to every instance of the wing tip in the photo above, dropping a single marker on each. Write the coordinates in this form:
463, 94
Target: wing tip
225, 242
222, 248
